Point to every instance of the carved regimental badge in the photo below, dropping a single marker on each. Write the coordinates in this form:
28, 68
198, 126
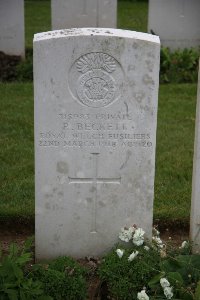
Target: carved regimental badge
95, 79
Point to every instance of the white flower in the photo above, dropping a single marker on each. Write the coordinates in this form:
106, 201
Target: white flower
168, 292
126, 234
184, 244
142, 295
156, 232
120, 253
158, 242
146, 248
164, 283
138, 237
133, 255
163, 253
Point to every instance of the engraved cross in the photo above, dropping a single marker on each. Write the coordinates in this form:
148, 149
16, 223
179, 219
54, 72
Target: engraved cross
95, 180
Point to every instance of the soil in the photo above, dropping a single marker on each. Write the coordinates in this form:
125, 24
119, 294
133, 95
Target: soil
8, 65
97, 290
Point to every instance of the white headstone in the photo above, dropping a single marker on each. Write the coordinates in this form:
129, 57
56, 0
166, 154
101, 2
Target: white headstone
96, 96
12, 27
177, 22
195, 204
83, 13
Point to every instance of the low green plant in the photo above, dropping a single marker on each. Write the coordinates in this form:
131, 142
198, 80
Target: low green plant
24, 70
150, 270
15, 283
63, 278
127, 270
179, 66
125, 278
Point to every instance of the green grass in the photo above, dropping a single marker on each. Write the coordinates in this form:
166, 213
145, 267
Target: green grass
175, 135
175, 139
132, 15
16, 150
37, 19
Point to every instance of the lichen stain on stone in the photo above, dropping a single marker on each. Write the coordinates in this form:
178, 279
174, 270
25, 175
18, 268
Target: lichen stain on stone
93, 189
148, 80
146, 108
149, 65
135, 45
56, 237
62, 167
114, 200
151, 54
89, 200
76, 217
102, 204
52, 81
47, 205
139, 96
131, 68
119, 45
60, 193
131, 83
48, 195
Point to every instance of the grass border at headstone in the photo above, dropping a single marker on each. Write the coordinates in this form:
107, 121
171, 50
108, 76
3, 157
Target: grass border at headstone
174, 155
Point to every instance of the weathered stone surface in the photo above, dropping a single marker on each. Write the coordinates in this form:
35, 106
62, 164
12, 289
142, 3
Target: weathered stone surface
95, 136
177, 22
195, 204
12, 27
83, 13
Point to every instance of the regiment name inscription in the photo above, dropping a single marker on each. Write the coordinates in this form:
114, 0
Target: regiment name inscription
95, 130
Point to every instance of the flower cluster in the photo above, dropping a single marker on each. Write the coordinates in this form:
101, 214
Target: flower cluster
167, 289
120, 253
142, 295
157, 243
184, 245
144, 259
132, 233
126, 234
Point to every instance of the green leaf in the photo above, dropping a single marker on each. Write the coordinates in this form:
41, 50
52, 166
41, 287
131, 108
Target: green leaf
45, 298
23, 259
175, 278
28, 244
13, 250
155, 280
187, 296
18, 272
170, 265
22, 295
12, 294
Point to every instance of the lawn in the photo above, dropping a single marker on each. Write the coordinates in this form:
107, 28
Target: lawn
175, 134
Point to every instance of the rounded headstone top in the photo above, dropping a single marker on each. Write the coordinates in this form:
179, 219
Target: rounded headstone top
63, 33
